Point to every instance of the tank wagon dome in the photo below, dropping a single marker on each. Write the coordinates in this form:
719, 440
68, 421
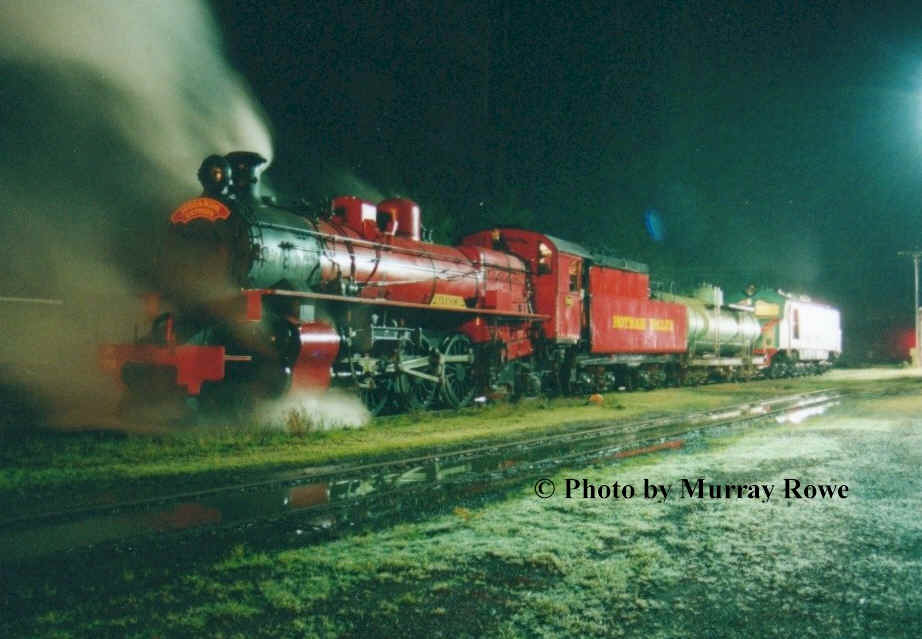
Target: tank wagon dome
405, 214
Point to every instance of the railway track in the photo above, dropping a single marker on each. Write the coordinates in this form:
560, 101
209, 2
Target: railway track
322, 497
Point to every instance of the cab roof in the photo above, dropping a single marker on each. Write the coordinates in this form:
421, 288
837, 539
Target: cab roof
600, 259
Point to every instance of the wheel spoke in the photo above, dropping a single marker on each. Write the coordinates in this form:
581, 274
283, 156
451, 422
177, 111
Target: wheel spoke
459, 384
416, 393
376, 397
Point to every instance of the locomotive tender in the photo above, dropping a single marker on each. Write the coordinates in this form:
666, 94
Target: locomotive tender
267, 298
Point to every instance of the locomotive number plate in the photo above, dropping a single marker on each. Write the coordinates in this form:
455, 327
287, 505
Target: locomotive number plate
629, 323
200, 208
442, 299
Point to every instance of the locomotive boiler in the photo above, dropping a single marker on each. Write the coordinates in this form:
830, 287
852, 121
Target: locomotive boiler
361, 249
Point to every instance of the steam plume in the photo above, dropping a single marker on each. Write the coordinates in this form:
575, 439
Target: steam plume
108, 109
177, 98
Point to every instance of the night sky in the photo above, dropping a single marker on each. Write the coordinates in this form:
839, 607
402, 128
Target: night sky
773, 142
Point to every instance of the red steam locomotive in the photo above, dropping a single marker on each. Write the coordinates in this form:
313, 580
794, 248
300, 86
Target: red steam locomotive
267, 298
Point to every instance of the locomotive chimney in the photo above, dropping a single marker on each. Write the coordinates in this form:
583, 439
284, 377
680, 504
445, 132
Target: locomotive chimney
245, 170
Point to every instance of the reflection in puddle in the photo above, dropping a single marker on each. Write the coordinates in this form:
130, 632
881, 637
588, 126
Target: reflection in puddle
362, 493
185, 515
798, 416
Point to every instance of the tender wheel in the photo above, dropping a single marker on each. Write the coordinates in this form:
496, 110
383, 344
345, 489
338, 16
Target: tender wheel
562, 377
459, 384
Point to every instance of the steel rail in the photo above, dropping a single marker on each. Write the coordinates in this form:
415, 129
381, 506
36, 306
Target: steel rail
338, 471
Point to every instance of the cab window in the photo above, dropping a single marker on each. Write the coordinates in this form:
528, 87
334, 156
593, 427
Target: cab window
574, 276
544, 258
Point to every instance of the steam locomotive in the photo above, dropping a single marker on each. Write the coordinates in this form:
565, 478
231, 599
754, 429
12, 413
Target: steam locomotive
269, 298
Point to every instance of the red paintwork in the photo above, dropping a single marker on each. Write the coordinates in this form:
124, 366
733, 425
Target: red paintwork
768, 334
645, 450
254, 309
386, 303
616, 282
642, 326
501, 279
308, 495
612, 292
197, 364
406, 213
621, 294
356, 214
193, 364
200, 208
319, 347
182, 516
552, 289
389, 265
515, 337
510, 286
569, 316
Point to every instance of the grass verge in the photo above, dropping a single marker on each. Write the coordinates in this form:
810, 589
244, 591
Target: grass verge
41, 469
523, 567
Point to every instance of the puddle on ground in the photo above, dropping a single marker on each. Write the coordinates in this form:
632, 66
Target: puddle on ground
326, 501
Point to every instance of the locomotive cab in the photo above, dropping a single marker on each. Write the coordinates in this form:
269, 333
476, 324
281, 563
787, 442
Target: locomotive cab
558, 277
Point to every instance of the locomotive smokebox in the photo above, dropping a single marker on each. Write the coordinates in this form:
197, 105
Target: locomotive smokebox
245, 170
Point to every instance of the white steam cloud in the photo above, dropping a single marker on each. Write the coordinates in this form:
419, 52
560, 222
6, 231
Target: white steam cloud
178, 100
108, 109
306, 412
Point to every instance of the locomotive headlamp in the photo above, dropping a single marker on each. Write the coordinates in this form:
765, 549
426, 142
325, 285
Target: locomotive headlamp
215, 175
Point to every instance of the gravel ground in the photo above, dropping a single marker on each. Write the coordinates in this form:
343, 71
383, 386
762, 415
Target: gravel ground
520, 566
